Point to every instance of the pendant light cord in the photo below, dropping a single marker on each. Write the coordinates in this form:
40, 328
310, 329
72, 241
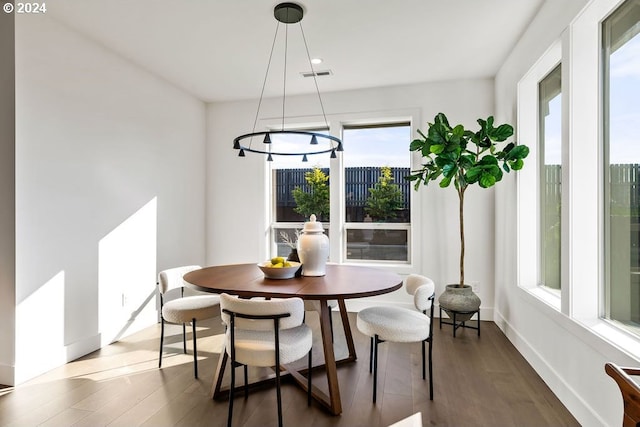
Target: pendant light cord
264, 83
284, 74
315, 80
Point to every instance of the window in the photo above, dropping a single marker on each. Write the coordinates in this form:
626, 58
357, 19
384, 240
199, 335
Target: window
621, 115
600, 233
376, 195
290, 178
539, 182
549, 135
370, 201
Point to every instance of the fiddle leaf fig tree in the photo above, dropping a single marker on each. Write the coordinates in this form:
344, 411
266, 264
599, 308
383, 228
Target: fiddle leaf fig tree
455, 154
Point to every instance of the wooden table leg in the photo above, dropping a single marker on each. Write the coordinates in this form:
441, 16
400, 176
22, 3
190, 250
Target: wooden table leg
347, 332
335, 404
216, 387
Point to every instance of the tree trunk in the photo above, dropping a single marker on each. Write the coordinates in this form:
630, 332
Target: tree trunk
461, 217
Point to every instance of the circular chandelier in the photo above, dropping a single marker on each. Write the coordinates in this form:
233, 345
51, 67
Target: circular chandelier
312, 142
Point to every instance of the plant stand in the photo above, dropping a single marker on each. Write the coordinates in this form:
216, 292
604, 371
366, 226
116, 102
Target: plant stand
461, 324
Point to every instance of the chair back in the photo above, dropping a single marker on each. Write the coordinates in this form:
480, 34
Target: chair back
259, 307
630, 392
422, 288
172, 278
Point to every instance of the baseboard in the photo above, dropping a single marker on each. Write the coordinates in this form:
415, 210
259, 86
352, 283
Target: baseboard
7, 375
83, 347
569, 398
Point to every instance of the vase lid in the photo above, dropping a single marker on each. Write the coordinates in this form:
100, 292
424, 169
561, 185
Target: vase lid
312, 225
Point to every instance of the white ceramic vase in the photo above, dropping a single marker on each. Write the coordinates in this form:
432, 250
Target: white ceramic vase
313, 248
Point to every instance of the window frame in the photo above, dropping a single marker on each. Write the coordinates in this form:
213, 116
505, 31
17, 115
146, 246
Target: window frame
530, 180
371, 225
337, 229
581, 307
605, 54
542, 147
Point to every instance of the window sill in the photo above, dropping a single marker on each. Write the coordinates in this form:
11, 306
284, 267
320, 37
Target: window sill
550, 297
611, 341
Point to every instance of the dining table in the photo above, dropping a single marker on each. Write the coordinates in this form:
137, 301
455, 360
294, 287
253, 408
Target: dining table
341, 282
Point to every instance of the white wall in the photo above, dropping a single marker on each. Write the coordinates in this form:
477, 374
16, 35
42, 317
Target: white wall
8, 197
237, 214
567, 355
110, 189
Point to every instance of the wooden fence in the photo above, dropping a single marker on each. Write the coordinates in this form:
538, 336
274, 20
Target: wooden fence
624, 190
358, 181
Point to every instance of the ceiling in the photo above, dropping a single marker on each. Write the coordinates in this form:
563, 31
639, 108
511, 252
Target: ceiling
218, 50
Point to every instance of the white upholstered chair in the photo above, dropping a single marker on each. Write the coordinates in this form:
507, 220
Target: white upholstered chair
265, 333
189, 309
397, 324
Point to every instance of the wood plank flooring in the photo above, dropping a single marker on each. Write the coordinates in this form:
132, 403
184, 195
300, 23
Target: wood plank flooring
477, 382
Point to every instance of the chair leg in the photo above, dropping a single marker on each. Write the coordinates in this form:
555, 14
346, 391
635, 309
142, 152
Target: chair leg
430, 369
195, 350
161, 342
184, 338
423, 361
276, 327
278, 395
246, 386
371, 355
309, 372
231, 390
375, 367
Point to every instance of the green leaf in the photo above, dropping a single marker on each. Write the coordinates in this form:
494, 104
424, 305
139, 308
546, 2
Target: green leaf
449, 170
485, 142
435, 174
509, 147
506, 168
488, 160
466, 161
501, 133
445, 182
442, 119
519, 152
473, 174
437, 148
442, 160
437, 134
416, 144
517, 164
487, 180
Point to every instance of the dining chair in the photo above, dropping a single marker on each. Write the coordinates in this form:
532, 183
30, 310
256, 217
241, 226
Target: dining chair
398, 324
630, 392
183, 310
265, 333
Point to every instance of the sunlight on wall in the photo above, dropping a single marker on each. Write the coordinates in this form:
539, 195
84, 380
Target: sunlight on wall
127, 275
40, 326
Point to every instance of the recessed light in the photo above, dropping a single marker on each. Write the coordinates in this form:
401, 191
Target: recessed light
316, 61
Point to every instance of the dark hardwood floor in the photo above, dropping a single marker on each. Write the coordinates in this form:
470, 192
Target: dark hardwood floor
477, 382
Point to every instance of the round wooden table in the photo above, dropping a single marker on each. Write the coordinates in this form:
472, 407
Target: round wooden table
340, 283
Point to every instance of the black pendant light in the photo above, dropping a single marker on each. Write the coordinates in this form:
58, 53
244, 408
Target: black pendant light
316, 143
